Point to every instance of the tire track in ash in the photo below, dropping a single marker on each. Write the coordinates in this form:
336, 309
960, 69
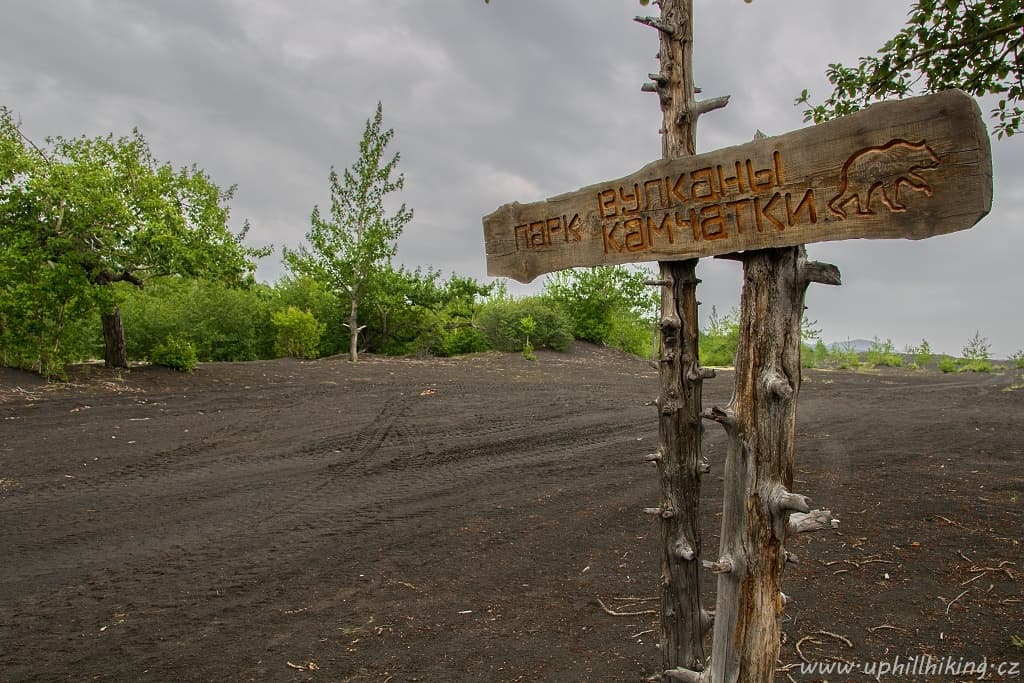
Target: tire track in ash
185, 493
401, 465
174, 485
408, 471
255, 522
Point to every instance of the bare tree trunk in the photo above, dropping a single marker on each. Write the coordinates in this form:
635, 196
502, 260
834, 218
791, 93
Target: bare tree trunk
115, 352
683, 622
760, 422
353, 328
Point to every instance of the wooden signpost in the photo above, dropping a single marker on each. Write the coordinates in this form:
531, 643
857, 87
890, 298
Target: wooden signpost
907, 169
911, 168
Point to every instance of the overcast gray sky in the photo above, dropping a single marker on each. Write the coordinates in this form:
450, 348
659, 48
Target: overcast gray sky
515, 100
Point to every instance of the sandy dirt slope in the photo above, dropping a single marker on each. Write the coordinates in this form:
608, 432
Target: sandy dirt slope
457, 520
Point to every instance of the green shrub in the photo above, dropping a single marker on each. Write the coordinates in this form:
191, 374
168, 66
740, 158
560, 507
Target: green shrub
720, 339
528, 326
821, 354
176, 353
846, 356
306, 294
947, 364
500, 319
297, 333
922, 354
977, 348
1018, 360
607, 305
457, 338
977, 365
882, 354
223, 322
976, 355
631, 334
807, 358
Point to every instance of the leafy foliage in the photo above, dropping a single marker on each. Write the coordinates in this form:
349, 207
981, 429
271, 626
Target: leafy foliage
308, 294
974, 45
223, 323
176, 353
882, 354
500, 321
607, 305
359, 239
922, 354
719, 341
976, 355
298, 333
85, 213
845, 356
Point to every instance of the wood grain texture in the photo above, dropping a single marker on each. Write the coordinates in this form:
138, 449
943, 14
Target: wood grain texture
683, 621
912, 169
760, 423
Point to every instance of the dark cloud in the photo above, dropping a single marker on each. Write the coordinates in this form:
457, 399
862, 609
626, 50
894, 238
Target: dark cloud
512, 100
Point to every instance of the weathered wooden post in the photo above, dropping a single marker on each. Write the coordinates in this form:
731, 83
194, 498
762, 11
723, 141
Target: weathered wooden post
760, 422
680, 464
908, 169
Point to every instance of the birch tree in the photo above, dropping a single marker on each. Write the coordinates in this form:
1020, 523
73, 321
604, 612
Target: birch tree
359, 237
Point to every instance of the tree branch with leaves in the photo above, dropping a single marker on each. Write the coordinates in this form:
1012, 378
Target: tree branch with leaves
973, 45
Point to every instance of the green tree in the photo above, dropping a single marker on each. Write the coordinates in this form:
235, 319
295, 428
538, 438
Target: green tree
974, 45
500, 321
99, 211
976, 354
298, 333
358, 241
223, 323
308, 294
720, 338
608, 305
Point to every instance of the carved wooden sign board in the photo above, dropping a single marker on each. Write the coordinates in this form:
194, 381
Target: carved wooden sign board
901, 169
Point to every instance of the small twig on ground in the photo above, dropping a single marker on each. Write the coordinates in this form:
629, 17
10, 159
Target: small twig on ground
624, 614
974, 579
632, 599
1002, 567
642, 633
950, 522
961, 554
838, 637
950, 603
872, 629
801, 642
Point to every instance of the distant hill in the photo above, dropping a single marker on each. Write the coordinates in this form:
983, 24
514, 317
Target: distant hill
859, 345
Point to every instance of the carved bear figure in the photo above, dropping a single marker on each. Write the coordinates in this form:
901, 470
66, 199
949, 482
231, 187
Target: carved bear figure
887, 169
